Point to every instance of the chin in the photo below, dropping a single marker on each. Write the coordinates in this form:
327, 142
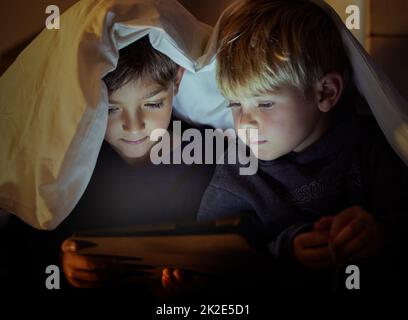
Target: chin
270, 156
267, 158
135, 154
264, 152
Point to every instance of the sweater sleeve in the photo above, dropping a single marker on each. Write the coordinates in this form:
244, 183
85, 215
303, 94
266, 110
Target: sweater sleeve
281, 247
224, 198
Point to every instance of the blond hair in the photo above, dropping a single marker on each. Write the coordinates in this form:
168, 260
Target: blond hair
266, 44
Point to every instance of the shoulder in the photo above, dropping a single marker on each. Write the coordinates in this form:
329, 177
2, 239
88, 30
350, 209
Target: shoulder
225, 196
230, 179
226, 176
108, 157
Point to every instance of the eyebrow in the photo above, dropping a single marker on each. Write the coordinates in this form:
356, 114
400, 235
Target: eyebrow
272, 93
147, 96
155, 92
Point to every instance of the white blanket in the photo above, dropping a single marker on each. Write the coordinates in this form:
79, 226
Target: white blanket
53, 103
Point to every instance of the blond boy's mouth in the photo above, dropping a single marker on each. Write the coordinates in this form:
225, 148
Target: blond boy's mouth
258, 142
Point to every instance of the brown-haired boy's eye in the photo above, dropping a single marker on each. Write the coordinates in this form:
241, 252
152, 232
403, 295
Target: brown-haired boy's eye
154, 105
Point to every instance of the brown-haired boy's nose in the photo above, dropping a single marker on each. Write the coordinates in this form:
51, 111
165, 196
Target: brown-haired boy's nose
133, 123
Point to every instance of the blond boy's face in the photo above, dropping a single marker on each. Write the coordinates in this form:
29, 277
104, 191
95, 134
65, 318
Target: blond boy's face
135, 110
285, 119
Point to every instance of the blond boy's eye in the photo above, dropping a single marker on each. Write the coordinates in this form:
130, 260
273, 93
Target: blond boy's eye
154, 105
266, 105
234, 105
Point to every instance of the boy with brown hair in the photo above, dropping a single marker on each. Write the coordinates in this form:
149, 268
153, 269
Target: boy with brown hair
126, 187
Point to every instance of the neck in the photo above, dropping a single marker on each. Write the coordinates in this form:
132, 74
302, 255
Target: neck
136, 161
317, 132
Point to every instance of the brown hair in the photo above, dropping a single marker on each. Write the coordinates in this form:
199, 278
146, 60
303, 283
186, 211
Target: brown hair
264, 44
140, 60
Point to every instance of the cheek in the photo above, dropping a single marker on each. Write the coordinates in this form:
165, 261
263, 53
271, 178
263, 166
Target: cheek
296, 116
112, 129
269, 124
159, 119
236, 118
306, 118
299, 125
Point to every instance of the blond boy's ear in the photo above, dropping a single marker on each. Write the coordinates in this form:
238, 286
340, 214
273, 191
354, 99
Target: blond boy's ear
177, 80
329, 90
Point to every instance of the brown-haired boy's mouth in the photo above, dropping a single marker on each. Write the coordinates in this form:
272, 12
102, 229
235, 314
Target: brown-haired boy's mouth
139, 141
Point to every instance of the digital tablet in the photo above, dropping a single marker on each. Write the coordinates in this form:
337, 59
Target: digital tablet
216, 248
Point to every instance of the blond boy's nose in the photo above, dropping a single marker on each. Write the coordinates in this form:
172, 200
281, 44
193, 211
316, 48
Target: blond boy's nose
248, 121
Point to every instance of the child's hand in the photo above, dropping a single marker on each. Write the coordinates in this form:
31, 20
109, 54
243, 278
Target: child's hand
354, 233
179, 282
84, 271
312, 249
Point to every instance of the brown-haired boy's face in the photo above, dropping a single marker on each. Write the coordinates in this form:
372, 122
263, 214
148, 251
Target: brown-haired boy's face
135, 110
